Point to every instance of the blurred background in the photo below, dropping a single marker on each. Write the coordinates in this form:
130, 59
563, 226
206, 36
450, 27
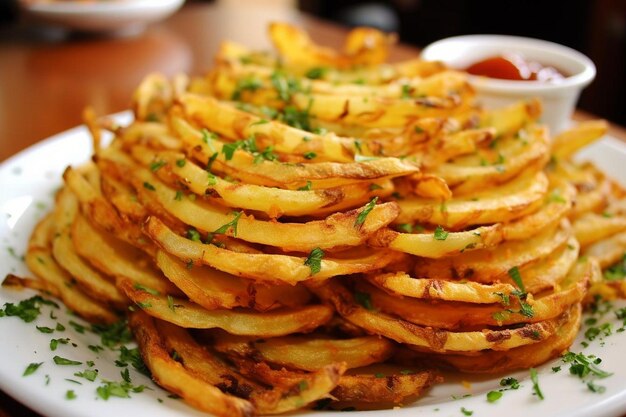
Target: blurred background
595, 28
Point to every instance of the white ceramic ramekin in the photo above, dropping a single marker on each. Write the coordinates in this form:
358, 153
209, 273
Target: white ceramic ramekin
559, 97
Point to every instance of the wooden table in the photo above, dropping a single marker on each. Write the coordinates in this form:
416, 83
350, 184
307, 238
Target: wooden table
45, 84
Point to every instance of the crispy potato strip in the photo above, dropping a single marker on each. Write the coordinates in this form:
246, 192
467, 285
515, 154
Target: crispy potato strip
436, 245
240, 322
210, 368
521, 196
436, 340
275, 202
496, 262
214, 289
309, 353
174, 377
242, 165
272, 268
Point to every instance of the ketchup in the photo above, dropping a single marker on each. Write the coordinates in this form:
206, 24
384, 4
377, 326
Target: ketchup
514, 67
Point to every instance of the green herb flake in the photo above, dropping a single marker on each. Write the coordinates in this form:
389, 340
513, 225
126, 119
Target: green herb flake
181, 162
309, 155
58, 360
366, 210
617, 271
146, 289
148, 186
54, 343
170, 303
440, 233
517, 278
179, 195
70, 395
88, 374
535, 380
307, 187
31, 368
44, 329
364, 300
466, 412
232, 225
316, 73
314, 260
247, 84
156, 165
113, 335
27, 310
493, 396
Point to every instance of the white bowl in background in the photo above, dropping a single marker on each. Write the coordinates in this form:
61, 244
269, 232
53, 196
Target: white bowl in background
121, 16
559, 97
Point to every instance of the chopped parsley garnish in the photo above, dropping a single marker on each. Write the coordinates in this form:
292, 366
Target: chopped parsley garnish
207, 136
404, 227
125, 375
364, 299
88, 374
77, 326
181, 162
146, 289
54, 343
314, 260
118, 389
440, 233
582, 365
133, 357
556, 197
70, 395
170, 303
616, 272
510, 382
297, 118
309, 155
406, 91
363, 214
285, 86
374, 187
316, 73
493, 396
44, 329
148, 186
193, 234
303, 385
535, 380
179, 195
156, 165
246, 84
466, 411
112, 335
64, 361
229, 150
31, 368
407, 372
307, 187
27, 310
517, 278
231, 225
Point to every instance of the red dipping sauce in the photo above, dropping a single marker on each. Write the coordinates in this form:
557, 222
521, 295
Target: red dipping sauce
514, 67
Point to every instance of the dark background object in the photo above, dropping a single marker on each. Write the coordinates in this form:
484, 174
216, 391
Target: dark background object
595, 28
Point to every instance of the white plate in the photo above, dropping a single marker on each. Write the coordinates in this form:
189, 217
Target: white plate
27, 183
120, 16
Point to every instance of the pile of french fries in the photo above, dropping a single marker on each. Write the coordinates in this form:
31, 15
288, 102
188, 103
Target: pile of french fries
319, 224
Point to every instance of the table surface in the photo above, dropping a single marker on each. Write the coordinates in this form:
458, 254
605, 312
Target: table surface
47, 78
